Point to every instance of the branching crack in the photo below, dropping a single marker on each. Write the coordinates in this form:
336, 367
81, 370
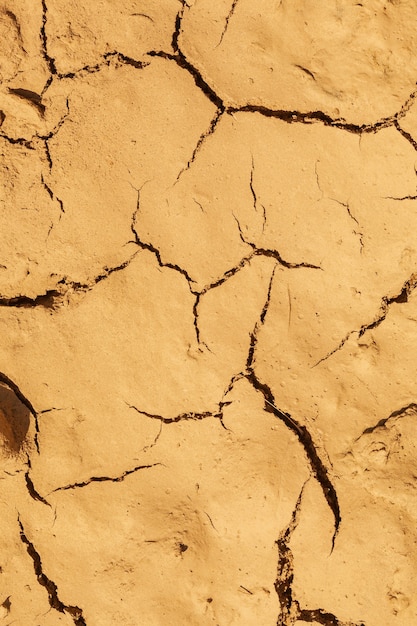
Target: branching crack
151, 248
101, 479
52, 298
400, 298
358, 233
273, 254
192, 415
317, 466
290, 607
179, 58
88, 69
55, 603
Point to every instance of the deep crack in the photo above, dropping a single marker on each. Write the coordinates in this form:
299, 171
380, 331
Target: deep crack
311, 117
317, 466
290, 609
55, 603
53, 298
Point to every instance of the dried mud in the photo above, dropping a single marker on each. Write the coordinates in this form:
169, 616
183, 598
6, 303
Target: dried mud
208, 313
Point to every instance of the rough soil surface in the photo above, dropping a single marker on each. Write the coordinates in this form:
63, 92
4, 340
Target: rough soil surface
208, 312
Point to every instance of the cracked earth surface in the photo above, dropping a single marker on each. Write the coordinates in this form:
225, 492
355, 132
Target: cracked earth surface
208, 312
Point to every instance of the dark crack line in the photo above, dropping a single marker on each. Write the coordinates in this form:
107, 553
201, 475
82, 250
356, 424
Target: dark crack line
228, 18
285, 571
405, 410
55, 603
272, 254
217, 283
290, 607
32, 489
181, 417
322, 617
259, 324
317, 466
24, 400
108, 58
18, 141
405, 134
179, 58
50, 61
358, 233
102, 479
31, 144
192, 415
255, 197
199, 81
202, 139
88, 69
52, 298
400, 198
311, 117
53, 197
339, 347
151, 248
400, 298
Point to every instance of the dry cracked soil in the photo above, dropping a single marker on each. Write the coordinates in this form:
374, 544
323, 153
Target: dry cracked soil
208, 312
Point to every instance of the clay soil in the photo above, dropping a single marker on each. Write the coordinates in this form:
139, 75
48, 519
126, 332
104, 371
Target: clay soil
208, 312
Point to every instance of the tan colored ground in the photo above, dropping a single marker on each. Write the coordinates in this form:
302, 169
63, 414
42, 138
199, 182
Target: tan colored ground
208, 320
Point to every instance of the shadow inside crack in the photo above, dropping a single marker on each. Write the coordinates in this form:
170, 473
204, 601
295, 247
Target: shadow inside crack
14, 420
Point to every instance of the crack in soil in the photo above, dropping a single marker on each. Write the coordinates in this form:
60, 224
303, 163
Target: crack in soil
201, 141
52, 298
151, 248
311, 117
272, 254
55, 603
228, 18
405, 410
400, 298
290, 607
101, 479
318, 468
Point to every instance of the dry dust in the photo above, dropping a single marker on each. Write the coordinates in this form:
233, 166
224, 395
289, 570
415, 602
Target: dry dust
208, 312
